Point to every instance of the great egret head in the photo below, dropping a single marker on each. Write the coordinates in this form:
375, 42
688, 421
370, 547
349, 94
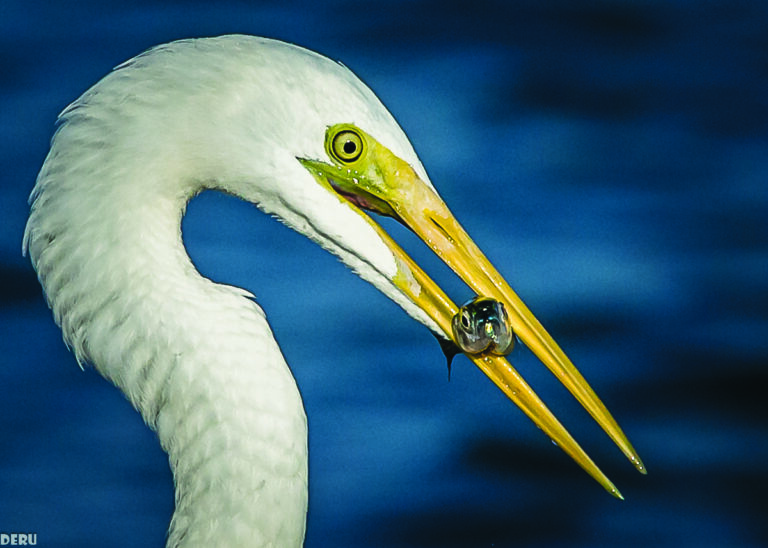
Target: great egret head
304, 139
252, 117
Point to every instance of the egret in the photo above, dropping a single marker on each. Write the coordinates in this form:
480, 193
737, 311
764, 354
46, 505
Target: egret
302, 138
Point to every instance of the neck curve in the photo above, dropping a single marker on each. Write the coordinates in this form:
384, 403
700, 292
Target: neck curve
197, 359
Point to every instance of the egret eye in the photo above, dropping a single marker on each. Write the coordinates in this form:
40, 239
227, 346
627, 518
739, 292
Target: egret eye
347, 146
482, 324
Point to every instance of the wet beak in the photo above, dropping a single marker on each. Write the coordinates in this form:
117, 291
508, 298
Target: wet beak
386, 184
420, 209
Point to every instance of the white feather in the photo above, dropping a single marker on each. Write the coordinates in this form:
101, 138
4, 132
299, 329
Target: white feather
197, 359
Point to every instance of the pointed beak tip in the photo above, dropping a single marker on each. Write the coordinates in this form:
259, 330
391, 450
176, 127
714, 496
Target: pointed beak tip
419, 208
639, 466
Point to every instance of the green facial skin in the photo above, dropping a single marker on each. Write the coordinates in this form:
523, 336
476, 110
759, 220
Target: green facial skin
362, 170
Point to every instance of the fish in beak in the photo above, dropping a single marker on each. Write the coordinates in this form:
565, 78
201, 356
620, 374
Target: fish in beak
370, 177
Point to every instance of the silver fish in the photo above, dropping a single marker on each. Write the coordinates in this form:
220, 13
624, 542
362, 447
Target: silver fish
482, 325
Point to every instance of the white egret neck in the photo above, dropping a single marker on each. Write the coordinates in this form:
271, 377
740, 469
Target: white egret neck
197, 359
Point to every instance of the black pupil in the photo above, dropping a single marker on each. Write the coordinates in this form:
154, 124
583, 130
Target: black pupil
349, 147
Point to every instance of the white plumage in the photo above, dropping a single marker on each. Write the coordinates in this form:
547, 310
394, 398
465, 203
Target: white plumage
197, 359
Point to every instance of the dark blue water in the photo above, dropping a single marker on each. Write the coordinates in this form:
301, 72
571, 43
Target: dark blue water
611, 158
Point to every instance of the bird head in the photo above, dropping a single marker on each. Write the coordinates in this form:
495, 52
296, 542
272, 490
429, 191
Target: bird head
336, 155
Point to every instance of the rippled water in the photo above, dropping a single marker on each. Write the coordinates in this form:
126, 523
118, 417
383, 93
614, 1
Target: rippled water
610, 157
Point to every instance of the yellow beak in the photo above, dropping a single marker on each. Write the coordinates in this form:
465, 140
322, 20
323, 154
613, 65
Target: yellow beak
399, 192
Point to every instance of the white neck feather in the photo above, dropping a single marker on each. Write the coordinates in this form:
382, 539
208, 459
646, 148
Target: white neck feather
196, 359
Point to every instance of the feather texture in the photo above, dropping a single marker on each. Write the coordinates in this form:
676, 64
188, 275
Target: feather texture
197, 359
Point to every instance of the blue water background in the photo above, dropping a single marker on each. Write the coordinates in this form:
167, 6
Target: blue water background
610, 157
